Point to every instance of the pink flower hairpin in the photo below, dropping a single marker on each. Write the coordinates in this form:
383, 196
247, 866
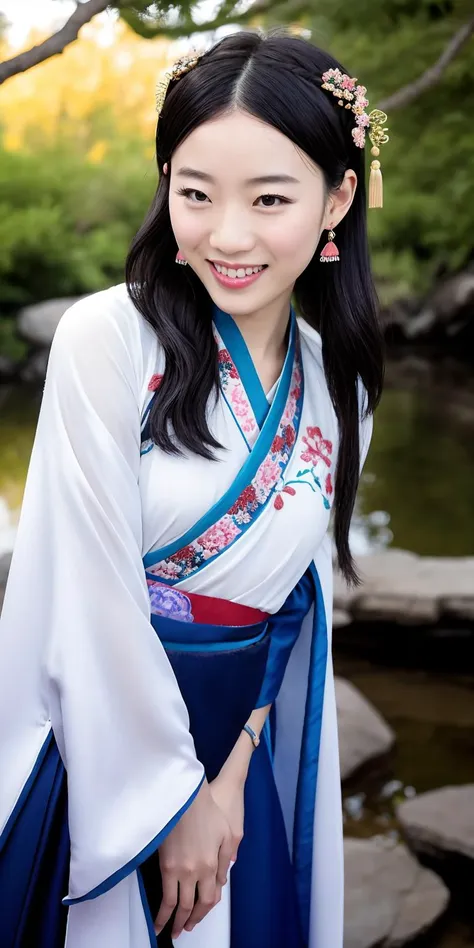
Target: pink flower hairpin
352, 96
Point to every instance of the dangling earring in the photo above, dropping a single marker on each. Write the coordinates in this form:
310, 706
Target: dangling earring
330, 253
180, 259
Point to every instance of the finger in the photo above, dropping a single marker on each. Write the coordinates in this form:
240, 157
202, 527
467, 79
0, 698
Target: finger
168, 901
224, 859
236, 841
187, 898
208, 896
192, 920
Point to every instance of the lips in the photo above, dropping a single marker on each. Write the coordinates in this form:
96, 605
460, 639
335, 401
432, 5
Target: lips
234, 283
236, 266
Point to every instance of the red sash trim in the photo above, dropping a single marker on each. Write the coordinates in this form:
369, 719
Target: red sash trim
207, 610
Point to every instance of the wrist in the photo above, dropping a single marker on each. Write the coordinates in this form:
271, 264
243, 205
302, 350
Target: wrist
236, 767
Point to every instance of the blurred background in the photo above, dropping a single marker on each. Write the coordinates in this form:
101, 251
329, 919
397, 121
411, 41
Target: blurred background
76, 175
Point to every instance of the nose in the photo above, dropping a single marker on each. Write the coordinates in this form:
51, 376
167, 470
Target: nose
230, 234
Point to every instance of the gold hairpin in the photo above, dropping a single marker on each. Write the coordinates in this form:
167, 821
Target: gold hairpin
353, 96
180, 68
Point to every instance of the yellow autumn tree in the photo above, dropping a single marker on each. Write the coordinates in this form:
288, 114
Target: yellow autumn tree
102, 86
77, 168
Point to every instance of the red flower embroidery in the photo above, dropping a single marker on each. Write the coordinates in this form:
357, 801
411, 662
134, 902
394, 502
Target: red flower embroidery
154, 383
289, 436
278, 444
317, 448
278, 503
248, 496
186, 554
328, 485
226, 360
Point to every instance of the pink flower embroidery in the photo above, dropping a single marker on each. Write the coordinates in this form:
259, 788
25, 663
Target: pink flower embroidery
267, 474
328, 485
218, 536
317, 448
166, 569
267, 479
154, 383
240, 404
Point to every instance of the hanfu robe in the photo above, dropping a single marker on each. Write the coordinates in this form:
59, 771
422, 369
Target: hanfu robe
133, 572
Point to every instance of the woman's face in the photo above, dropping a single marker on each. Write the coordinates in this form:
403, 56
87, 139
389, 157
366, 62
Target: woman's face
249, 198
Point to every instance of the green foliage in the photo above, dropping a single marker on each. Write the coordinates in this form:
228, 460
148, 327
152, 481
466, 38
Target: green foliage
426, 226
66, 224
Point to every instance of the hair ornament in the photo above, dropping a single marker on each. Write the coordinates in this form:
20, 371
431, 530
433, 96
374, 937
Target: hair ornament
352, 96
183, 65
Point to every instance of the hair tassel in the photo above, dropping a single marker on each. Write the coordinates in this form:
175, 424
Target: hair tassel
375, 185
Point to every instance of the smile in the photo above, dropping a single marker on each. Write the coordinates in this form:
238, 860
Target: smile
237, 276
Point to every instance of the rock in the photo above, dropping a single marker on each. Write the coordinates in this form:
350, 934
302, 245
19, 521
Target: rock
35, 368
440, 821
340, 618
448, 309
402, 587
444, 316
5, 561
38, 323
8, 368
363, 733
389, 899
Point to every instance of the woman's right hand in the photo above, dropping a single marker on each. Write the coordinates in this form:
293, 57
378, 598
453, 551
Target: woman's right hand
195, 854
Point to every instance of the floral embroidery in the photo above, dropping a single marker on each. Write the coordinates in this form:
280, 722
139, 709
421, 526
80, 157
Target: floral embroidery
234, 391
240, 404
227, 368
317, 452
154, 383
170, 603
316, 447
250, 502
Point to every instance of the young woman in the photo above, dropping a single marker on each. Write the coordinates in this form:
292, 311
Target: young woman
166, 690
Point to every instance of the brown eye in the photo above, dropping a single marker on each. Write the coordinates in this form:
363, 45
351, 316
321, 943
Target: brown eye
270, 198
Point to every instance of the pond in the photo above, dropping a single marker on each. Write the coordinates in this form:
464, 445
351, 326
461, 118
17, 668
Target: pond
417, 493
417, 490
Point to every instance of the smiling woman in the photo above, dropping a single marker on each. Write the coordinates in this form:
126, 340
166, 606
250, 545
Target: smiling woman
168, 740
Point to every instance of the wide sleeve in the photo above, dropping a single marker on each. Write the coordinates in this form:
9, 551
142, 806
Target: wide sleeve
116, 710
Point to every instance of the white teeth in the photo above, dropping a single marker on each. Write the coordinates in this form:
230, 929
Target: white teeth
237, 274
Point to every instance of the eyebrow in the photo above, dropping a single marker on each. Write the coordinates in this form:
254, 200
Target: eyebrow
261, 179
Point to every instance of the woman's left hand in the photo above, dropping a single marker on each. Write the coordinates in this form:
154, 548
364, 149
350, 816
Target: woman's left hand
229, 796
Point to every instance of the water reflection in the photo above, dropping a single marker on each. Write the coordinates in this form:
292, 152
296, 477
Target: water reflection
417, 492
417, 489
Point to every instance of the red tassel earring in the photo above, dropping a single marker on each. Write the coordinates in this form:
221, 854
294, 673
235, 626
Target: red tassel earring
330, 253
180, 259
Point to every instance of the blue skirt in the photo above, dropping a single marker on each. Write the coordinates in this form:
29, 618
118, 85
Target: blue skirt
220, 672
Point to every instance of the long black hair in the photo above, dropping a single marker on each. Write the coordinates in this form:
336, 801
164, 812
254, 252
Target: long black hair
276, 78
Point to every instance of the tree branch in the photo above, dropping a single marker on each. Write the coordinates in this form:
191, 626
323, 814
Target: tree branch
56, 43
432, 76
188, 27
